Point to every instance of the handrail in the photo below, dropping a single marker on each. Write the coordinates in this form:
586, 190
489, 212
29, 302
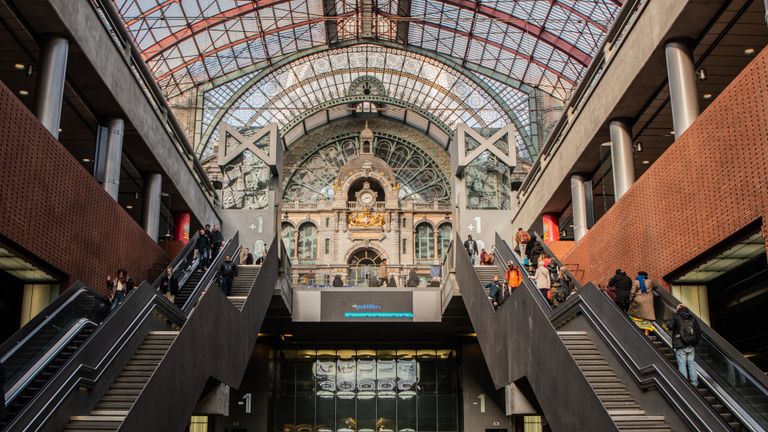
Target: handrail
115, 25
14, 342
42, 363
185, 262
554, 257
98, 352
229, 249
613, 39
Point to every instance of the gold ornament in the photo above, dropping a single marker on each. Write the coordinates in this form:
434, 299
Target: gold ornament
365, 219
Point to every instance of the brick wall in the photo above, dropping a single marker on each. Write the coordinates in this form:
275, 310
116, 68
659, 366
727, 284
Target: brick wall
708, 185
54, 209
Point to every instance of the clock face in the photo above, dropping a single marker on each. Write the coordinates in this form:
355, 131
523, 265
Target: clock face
366, 198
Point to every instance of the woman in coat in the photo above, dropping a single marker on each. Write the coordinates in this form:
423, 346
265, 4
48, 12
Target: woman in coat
641, 302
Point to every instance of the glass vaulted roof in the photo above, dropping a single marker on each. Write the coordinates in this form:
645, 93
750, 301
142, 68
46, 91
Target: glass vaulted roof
544, 44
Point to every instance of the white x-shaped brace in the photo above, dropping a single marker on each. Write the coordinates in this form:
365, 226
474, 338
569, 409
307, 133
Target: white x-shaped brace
464, 158
272, 157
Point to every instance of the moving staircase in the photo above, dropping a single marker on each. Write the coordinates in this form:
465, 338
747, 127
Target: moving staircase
622, 379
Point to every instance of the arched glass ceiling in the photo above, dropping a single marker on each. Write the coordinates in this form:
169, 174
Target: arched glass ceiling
430, 88
542, 43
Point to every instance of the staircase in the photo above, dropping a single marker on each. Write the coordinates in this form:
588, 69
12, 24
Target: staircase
705, 393
486, 273
42, 378
186, 290
117, 401
241, 286
621, 406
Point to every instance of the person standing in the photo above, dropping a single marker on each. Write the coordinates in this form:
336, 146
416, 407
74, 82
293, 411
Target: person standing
217, 239
686, 332
493, 291
513, 276
522, 238
471, 247
227, 272
622, 285
641, 303
259, 261
543, 282
383, 273
203, 248
169, 285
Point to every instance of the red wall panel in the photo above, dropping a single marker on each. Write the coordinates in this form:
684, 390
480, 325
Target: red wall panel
54, 209
711, 183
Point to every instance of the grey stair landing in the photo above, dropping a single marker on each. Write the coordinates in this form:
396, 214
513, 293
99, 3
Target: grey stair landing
486, 273
110, 412
626, 413
241, 285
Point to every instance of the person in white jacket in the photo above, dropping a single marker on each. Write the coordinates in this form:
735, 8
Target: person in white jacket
542, 279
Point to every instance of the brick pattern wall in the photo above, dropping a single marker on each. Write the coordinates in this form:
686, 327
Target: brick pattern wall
54, 209
708, 185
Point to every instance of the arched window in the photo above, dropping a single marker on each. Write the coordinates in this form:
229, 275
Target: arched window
424, 245
444, 239
307, 241
289, 238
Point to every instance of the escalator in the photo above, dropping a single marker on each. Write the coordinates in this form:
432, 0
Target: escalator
609, 375
122, 376
731, 385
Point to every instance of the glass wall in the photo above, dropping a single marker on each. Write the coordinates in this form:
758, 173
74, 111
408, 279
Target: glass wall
289, 238
424, 242
307, 243
366, 391
444, 239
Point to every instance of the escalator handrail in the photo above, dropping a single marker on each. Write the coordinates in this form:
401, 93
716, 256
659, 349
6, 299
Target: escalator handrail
657, 374
554, 257
722, 394
182, 258
728, 351
46, 358
229, 248
97, 353
15, 342
506, 254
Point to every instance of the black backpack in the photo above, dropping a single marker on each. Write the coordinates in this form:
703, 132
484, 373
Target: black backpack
689, 331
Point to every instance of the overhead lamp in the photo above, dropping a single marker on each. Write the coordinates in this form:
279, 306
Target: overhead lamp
701, 74
86, 160
24, 92
129, 206
638, 146
707, 95
671, 132
19, 66
646, 162
749, 51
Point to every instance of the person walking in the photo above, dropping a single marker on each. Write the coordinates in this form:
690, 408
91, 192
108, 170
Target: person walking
641, 303
493, 291
169, 285
203, 248
485, 258
119, 287
383, 273
513, 276
686, 332
522, 238
217, 239
622, 286
227, 272
471, 247
543, 282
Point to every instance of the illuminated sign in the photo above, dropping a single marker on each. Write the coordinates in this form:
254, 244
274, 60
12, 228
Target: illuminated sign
366, 306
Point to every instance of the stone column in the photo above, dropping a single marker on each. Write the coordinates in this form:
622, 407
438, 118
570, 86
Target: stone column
681, 74
49, 93
579, 205
113, 155
621, 156
150, 210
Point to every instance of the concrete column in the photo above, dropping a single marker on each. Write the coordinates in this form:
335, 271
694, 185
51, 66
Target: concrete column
621, 156
113, 155
682, 84
579, 205
35, 298
150, 210
49, 93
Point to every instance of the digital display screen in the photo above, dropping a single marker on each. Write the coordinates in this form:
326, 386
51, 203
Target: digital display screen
366, 306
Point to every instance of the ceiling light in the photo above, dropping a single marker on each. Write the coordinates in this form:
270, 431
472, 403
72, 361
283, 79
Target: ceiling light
646, 162
638, 146
749, 51
86, 160
129, 207
19, 66
671, 132
707, 96
24, 92
61, 130
701, 74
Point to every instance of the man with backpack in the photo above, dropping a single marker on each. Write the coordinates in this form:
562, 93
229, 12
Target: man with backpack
522, 238
685, 336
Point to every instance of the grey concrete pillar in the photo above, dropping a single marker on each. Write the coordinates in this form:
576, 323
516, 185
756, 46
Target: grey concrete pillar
682, 84
150, 210
621, 156
113, 155
579, 205
49, 93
